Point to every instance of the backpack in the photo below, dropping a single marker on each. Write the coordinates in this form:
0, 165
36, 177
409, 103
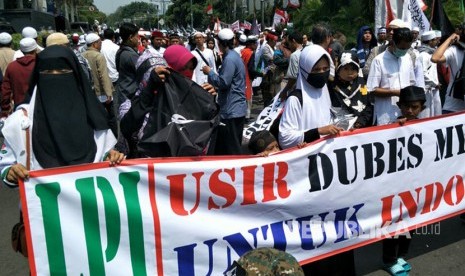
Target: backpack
274, 128
183, 122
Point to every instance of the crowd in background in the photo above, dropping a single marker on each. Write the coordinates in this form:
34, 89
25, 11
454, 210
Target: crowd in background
96, 96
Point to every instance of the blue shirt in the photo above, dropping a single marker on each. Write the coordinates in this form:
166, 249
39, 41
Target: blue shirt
230, 82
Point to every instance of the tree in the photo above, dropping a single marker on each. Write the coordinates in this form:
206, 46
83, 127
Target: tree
142, 14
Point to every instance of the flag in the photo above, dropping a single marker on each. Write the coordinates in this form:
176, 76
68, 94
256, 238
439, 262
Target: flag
414, 16
255, 30
293, 4
280, 17
386, 11
209, 9
235, 26
422, 5
217, 27
246, 25
440, 20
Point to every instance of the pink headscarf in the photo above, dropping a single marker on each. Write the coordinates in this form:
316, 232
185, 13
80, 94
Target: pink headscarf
177, 57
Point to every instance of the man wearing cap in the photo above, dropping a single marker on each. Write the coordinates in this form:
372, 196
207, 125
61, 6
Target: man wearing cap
31, 33
416, 39
157, 40
248, 56
230, 83
241, 39
6, 53
16, 81
390, 71
433, 105
175, 39
394, 24
101, 81
267, 58
204, 57
381, 36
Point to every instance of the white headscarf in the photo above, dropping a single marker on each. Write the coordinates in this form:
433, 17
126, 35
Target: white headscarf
314, 112
318, 102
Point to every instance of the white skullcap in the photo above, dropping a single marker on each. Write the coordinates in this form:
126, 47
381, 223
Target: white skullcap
253, 38
29, 32
5, 38
82, 39
199, 33
397, 23
225, 34
243, 38
416, 29
27, 45
438, 34
427, 36
91, 38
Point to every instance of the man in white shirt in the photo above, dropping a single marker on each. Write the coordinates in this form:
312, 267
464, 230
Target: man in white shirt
452, 56
204, 57
109, 49
433, 100
157, 40
389, 72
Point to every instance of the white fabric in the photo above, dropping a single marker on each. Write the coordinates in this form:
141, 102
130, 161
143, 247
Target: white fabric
19, 54
239, 48
14, 150
109, 49
454, 59
199, 77
27, 45
388, 71
156, 52
433, 99
314, 111
5, 38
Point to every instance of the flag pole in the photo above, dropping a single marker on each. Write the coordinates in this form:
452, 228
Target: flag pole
432, 12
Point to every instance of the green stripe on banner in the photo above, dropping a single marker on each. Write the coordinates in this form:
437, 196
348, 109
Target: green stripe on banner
112, 217
48, 194
129, 182
86, 188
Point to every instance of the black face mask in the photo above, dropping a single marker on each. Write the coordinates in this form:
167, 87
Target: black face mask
317, 80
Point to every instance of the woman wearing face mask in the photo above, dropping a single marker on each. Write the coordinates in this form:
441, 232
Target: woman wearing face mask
306, 121
136, 118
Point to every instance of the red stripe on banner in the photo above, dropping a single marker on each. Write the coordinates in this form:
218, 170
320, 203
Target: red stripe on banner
156, 219
30, 250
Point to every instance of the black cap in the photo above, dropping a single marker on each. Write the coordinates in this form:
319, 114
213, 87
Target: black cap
412, 93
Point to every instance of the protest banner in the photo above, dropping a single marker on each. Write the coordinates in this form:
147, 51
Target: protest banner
195, 216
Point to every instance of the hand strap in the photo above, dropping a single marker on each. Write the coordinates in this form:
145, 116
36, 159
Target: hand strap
28, 144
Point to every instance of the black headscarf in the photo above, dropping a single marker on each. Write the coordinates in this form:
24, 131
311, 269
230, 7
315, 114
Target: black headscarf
66, 111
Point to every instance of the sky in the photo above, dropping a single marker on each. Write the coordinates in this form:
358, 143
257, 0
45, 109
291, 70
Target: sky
110, 6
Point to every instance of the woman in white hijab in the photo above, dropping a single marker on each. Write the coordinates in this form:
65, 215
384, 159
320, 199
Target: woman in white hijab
305, 121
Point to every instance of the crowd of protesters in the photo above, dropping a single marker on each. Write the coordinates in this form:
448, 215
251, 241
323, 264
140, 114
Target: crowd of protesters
95, 97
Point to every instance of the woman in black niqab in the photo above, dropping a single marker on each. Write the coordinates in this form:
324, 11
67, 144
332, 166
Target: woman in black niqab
66, 111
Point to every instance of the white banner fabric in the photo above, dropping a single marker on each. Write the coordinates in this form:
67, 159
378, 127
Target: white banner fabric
195, 216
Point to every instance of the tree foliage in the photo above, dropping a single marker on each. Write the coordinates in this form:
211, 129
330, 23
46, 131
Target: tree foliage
142, 14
